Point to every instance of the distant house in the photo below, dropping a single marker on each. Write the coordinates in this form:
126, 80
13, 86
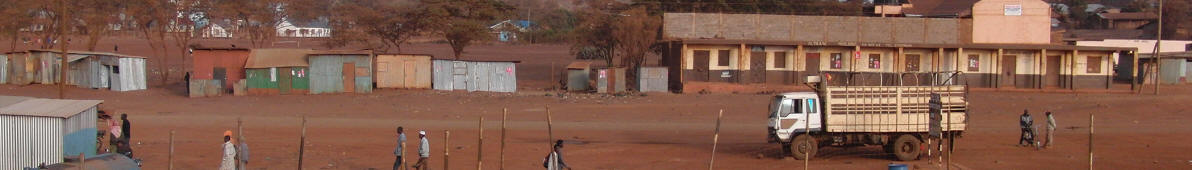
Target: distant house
1126, 20
217, 30
319, 28
508, 30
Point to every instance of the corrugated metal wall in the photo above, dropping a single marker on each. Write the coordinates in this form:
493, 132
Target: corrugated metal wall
610, 80
27, 141
403, 71
3, 69
132, 75
79, 133
652, 79
442, 75
475, 76
326, 73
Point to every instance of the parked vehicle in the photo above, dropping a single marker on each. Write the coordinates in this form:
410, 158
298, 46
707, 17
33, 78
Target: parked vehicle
894, 117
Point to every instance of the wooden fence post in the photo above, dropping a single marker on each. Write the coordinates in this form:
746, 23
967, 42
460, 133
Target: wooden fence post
549, 130
302, 142
170, 158
715, 139
504, 117
480, 144
446, 147
1091, 141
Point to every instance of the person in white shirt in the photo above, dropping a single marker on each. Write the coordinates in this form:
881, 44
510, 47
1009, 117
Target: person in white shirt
229, 153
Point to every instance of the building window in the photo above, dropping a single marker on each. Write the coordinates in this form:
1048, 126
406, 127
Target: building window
779, 59
723, 59
912, 62
875, 61
974, 62
837, 60
1094, 64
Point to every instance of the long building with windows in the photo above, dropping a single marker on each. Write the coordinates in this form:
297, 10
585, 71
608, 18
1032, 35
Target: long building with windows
1003, 44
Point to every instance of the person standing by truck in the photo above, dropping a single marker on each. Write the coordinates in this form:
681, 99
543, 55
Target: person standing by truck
1050, 130
1028, 133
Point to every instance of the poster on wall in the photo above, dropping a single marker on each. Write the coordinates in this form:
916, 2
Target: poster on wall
1013, 10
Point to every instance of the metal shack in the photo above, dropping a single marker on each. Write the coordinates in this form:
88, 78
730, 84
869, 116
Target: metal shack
578, 75
340, 72
16, 71
277, 71
45, 130
44, 66
3, 68
652, 79
215, 70
494, 76
610, 80
116, 72
410, 71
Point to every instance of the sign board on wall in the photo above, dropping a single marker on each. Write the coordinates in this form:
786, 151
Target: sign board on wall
1013, 10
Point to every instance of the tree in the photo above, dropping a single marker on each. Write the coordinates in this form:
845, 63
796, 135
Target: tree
188, 24
635, 32
258, 19
18, 15
152, 19
390, 22
593, 34
462, 22
1177, 19
96, 20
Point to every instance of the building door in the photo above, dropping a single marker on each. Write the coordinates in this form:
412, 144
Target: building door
1052, 77
812, 66
349, 77
757, 67
409, 73
701, 65
1008, 70
220, 74
285, 80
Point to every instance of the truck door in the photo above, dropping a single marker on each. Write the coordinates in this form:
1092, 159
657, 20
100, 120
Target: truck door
812, 108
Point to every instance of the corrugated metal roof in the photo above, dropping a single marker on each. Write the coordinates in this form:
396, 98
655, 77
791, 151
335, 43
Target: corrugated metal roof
341, 52
88, 53
907, 45
266, 58
940, 7
580, 65
49, 107
1129, 15
10, 100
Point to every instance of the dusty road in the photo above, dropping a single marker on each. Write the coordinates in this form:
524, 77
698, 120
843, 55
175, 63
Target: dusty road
657, 131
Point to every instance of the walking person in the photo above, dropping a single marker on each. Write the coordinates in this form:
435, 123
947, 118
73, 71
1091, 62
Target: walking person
399, 150
1050, 130
1028, 134
243, 151
423, 152
115, 132
229, 153
125, 128
554, 160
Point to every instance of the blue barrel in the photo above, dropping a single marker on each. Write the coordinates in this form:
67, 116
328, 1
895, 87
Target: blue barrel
898, 167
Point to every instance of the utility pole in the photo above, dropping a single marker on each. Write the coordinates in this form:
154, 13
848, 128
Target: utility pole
62, 67
1158, 42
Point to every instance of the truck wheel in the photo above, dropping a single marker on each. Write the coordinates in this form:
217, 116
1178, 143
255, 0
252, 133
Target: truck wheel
800, 148
906, 148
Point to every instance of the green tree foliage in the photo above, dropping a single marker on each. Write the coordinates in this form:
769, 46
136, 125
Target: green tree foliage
462, 22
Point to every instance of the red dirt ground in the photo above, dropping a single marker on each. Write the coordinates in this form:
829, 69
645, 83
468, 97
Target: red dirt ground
656, 131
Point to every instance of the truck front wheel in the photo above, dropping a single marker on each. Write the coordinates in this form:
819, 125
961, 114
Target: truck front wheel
803, 147
906, 148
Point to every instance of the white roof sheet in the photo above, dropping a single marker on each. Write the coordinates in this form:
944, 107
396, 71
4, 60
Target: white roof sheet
49, 107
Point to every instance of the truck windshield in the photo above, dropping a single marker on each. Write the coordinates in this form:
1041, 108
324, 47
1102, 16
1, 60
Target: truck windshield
784, 107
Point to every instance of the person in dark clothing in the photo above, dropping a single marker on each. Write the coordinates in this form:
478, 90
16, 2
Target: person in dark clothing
125, 127
1028, 132
123, 148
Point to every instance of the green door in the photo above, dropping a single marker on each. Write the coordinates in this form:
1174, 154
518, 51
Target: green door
300, 82
284, 80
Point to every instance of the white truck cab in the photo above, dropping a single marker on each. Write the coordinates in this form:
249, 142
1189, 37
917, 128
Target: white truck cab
790, 112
